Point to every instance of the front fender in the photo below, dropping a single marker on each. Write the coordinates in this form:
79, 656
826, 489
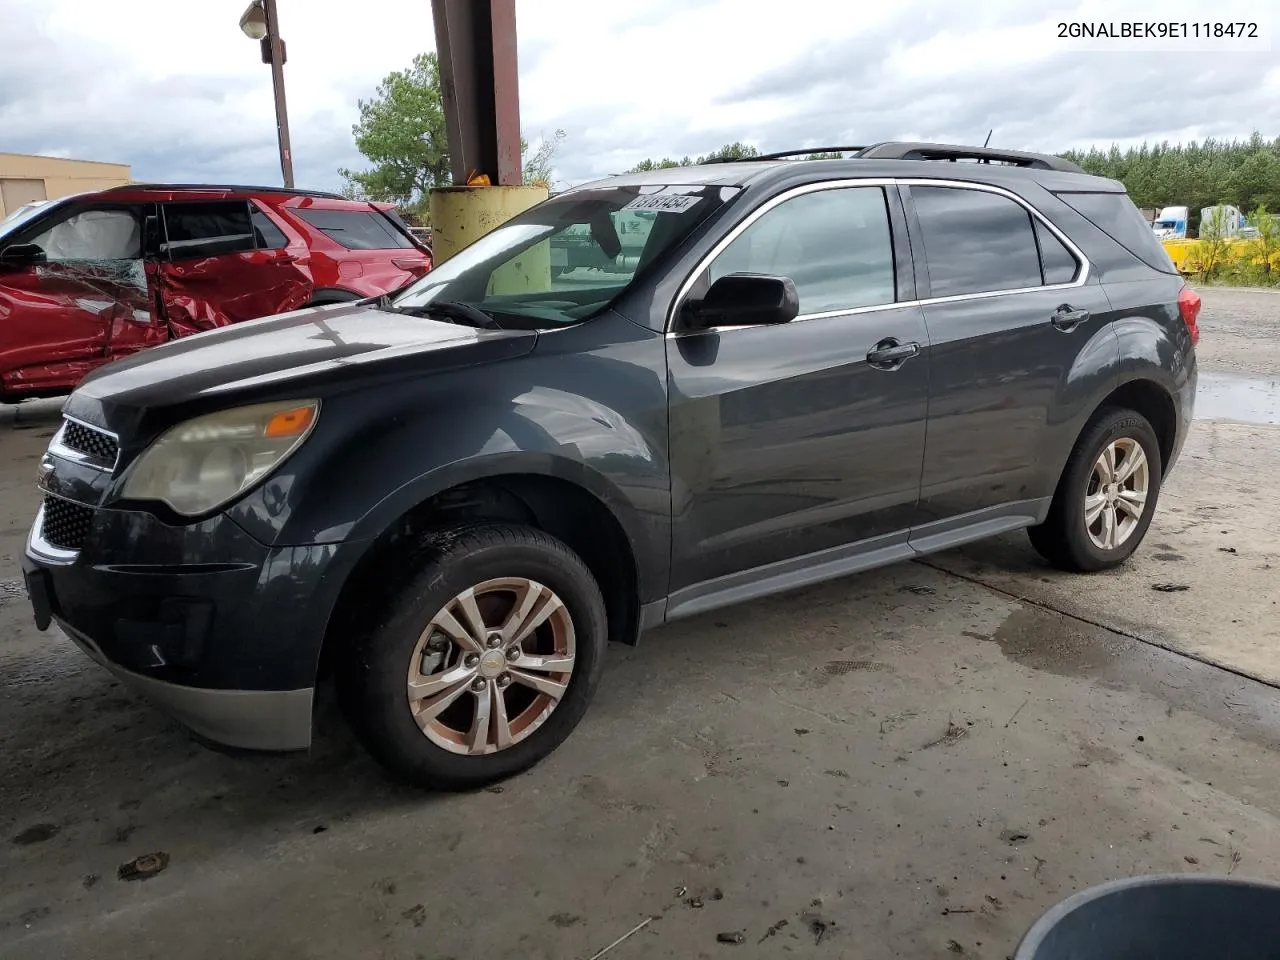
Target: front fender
595, 418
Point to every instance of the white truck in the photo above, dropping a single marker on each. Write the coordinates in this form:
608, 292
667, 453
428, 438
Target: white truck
1225, 221
1171, 224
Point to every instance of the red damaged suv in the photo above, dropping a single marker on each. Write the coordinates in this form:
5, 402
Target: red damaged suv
92, 277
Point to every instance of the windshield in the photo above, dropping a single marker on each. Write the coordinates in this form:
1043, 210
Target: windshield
566, 259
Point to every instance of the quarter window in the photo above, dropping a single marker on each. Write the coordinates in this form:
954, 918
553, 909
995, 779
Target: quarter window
1116, 216
267, 235
975, 241
206, 229
1056, 262
356, 229
835, 246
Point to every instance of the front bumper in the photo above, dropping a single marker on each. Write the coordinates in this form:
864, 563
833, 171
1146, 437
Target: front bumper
269, 720
221, 631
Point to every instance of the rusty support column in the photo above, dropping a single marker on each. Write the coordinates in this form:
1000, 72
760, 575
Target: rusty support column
476, 44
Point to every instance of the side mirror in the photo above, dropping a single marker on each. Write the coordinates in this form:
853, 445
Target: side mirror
21, 255
746, 298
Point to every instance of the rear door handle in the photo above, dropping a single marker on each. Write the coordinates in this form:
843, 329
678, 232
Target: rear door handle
890, 353
1066, 319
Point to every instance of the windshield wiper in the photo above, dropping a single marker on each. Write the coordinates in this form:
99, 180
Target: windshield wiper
451, 310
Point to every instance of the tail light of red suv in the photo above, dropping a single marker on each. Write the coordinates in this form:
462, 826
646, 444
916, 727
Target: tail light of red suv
1189, 307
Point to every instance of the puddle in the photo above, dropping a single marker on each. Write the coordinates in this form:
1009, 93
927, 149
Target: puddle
1046, 640
1245, 399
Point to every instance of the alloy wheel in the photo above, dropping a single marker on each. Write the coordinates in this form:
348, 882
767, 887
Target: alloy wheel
491, 666
1116, 495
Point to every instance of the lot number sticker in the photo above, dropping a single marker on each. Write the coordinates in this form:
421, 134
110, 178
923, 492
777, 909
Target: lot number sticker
662, 203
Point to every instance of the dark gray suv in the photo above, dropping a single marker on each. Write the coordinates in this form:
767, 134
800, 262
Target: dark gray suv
449, 499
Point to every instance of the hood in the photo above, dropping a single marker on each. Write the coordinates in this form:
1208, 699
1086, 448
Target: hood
306, 349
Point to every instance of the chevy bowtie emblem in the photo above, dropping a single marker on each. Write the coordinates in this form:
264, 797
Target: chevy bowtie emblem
44, 471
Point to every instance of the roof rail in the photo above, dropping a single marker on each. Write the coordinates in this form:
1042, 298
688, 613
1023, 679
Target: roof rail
901, 150
239, 187
785, 154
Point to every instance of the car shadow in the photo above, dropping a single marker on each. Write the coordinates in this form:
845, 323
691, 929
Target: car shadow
72, 731
115, 777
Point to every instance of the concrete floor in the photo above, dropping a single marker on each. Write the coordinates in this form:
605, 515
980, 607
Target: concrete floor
913, 762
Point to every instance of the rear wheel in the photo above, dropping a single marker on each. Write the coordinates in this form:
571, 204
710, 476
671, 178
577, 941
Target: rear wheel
1106, 497
484, 662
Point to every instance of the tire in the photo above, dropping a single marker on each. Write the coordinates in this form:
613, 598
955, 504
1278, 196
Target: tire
1065, 538
398, 650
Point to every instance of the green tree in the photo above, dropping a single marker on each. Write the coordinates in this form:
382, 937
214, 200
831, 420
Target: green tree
1265, 249
731, 151
402, 133
1244, 173
645, 165
537, 167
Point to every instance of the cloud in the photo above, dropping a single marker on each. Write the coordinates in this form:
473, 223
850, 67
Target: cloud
177, 91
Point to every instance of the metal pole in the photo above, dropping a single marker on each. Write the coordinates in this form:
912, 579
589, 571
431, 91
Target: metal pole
277, 82
476, 44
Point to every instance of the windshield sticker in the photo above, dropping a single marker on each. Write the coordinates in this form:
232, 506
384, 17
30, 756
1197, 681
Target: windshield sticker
663, 203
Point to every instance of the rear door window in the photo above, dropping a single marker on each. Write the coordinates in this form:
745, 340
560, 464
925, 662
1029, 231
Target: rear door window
1116, 216
975, 241
356, 229
834, 244
206, 229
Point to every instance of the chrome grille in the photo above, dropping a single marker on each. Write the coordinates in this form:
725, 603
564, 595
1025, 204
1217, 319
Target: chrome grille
66, 524
96, 446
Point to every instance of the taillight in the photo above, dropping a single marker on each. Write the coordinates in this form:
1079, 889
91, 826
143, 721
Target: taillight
412, 264
1189, 307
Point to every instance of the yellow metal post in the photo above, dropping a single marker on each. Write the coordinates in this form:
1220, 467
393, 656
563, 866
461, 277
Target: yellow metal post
462, 215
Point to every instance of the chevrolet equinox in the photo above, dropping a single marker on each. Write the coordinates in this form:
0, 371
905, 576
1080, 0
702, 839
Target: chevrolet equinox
451, 497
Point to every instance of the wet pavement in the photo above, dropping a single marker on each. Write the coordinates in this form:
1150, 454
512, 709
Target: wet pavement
1243, 399
912, 762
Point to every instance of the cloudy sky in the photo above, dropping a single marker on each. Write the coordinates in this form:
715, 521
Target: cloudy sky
174, 88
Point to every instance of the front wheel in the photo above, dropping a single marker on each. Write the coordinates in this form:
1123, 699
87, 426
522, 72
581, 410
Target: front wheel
484, 662
1106, 497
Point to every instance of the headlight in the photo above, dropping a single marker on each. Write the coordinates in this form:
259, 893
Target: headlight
202, 463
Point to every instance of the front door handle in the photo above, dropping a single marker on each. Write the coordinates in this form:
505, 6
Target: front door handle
890, 353
1066, 319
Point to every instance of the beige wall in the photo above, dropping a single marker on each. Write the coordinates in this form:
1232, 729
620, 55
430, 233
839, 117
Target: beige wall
60, 177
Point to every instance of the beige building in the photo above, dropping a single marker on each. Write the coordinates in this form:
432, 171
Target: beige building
24, 178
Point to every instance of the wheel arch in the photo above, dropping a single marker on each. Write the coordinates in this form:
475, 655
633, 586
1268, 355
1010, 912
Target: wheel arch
568, 509
1142, 394
1155, 403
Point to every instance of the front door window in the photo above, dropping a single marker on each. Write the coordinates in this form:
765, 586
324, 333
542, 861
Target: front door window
93, 235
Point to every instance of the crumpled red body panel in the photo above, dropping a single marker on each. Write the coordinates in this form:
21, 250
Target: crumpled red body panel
197, 294
60, 320
62, 317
